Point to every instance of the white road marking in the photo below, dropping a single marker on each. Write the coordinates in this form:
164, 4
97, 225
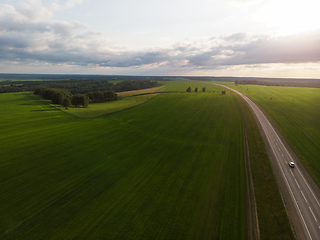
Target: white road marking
304, 197
308, 187
313, 215
292, 160
298, 169
292, 195
297, 183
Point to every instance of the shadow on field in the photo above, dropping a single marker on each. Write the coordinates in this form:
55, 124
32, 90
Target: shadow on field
45, 110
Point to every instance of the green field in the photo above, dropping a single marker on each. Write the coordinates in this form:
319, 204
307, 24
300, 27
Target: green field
181, 86
296, 113
170, 168
99, 109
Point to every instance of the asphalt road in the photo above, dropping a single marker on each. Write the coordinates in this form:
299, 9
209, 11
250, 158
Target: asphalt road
304, 199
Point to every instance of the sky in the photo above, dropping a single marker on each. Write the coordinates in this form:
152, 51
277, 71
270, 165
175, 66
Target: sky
240, 38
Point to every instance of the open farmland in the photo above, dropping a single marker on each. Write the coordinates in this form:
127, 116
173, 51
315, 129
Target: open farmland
295, 112
171, 168
181, 86
99, 109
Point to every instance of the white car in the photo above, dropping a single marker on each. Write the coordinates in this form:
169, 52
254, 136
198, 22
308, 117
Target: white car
291, 164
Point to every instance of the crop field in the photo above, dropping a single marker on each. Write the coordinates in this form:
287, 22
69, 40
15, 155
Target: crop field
99, 109
296, 113
139, 92
181, 86
170, 168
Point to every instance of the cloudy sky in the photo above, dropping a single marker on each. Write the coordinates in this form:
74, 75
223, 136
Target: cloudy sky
261, 38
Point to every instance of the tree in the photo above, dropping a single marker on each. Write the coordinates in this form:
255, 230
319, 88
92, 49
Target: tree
223, 92
196, 89
48, 92
189, 89
38, 91
80, 99
203, 89
67, 102
57, 98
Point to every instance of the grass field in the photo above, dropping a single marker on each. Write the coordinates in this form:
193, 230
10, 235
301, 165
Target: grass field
181, 86
296, 113
99, 109
171, 168
126, 100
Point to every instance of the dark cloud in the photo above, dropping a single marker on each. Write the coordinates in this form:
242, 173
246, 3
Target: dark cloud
204, 59
67, 29
297, 48
8, 25
14, 41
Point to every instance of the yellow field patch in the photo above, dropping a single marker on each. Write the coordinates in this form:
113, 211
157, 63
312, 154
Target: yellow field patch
142, 91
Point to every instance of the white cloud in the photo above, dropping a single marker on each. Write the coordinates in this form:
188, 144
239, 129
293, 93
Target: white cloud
288, 16
29, 38
54, 6
71, 3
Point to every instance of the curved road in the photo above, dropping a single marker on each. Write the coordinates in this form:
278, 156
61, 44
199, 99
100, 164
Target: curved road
303, 197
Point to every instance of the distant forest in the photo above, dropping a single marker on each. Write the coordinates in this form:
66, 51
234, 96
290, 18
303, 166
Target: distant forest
55, 77
77, 86
82, 84
286, 84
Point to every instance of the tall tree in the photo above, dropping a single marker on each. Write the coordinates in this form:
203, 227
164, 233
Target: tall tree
67, 102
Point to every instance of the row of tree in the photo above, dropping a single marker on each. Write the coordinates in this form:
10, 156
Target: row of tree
196, 89
77, 86
285, 84
62, 97
65, 98
102, 96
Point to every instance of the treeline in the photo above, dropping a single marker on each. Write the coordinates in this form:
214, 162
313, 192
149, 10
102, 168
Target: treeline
46, 77
285, 84
102, 96
65, 98
77, 86
16, 88
62, 97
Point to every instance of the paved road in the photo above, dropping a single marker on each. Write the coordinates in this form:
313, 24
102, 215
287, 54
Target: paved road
304, 199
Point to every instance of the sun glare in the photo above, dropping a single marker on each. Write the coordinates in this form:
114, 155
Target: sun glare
289, 16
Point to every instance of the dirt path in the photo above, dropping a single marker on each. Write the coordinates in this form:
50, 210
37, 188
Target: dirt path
138, 92
253, 231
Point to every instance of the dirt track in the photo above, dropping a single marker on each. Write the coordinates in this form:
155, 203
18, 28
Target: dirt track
253, 231
137, 92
